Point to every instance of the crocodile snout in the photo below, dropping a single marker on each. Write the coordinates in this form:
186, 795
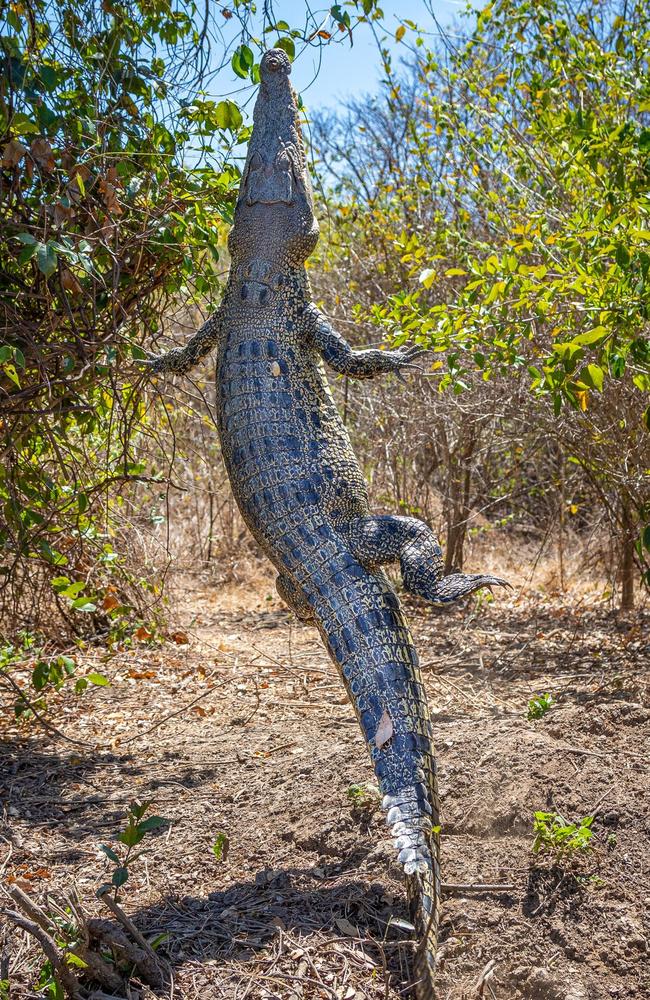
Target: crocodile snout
275, 61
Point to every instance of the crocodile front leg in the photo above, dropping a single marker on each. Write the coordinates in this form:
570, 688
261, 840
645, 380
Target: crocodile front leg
339, 355
181, 360
376, 541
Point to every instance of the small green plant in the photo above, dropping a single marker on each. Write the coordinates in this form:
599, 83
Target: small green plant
66, 935
365, 795
539, 706
221, 846
134, 832
554, 834
48, 673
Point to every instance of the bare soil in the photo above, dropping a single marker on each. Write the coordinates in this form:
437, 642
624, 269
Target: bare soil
244, 730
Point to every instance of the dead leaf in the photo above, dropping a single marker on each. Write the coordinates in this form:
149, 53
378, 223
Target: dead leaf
110, 601
13, 153
143, 633
346, 927
62, 213
142, 675
181, 638
71, 284
384, 730
41, 151
108, 192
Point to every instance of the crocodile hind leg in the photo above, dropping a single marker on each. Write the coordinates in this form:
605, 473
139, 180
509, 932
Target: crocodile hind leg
294, 598
391, 538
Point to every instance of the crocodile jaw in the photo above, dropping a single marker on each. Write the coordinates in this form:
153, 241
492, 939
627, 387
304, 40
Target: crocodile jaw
274, 216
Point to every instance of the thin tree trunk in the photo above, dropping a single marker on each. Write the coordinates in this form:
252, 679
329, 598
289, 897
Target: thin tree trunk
628, 569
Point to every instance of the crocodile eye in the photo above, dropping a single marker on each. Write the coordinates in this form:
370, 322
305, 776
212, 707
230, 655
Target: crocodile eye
264, 294
244, 291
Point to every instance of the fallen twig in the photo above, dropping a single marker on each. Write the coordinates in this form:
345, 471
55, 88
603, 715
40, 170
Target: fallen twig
128, 924
449, 887
486, 974
64, 976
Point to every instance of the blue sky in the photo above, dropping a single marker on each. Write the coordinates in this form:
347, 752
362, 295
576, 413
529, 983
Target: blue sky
352, 71
345, 71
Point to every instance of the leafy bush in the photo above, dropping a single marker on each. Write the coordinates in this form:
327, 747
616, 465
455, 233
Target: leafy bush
554, 834
539, 706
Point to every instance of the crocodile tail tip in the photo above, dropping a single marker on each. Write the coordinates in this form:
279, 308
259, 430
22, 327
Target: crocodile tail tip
417, 843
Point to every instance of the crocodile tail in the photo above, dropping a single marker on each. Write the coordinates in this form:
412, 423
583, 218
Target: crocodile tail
370, 643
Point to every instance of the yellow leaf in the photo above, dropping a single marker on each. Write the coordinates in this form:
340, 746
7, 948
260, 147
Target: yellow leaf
399, 34
583, 399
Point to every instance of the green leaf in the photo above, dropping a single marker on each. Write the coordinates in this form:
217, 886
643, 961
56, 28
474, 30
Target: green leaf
21, 124
46, 259
138, 809
152, 823
72, 959
131, 836
156, 941
110, 853
40, 675
242, 61
592, 336
11, 373
120, 876
83, 604
622, 256
288, 46
98, 679
228, 115
220, 847
597, 375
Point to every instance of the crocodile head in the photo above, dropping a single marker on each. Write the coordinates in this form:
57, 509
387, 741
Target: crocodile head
274, 225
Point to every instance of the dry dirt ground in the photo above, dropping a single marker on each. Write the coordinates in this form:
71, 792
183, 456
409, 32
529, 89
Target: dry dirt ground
244, 730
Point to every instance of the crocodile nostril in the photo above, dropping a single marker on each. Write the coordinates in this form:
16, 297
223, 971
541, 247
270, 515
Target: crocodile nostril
244, 291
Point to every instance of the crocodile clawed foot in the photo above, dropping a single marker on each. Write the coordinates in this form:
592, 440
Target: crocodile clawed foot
457, 585
401, 359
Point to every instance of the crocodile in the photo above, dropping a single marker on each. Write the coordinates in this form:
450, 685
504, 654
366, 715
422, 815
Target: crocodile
301, 491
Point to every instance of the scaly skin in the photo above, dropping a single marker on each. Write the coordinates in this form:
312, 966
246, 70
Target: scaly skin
301, 491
